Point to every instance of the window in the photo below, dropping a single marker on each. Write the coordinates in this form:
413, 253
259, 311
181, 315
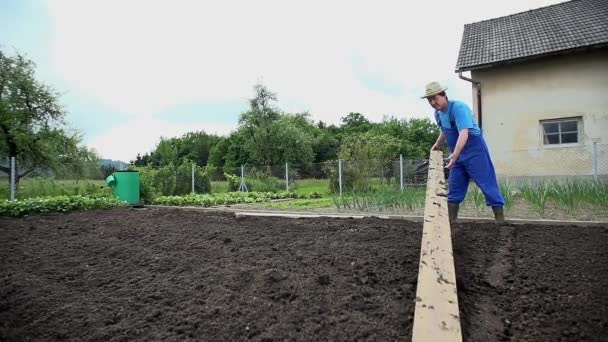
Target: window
562, 131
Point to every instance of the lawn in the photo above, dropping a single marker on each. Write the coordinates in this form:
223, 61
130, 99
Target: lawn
219, 186
41, 187
307, 186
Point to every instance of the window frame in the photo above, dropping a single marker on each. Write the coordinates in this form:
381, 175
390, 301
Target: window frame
579, 131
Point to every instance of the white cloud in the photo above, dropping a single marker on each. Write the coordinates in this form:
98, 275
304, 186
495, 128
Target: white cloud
125, 140
141, 57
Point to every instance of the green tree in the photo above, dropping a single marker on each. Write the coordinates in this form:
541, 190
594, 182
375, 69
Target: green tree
325, 147
236, 154
256, 125
270, 137
355, 123
32, 127
165, 153
195, 146
292, 139
78, 162
368, 146
218, 152
416, 136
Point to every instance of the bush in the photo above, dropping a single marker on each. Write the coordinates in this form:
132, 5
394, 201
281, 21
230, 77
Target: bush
331, 169
56, 204
207, 200
265, 184
45, 187
256, 181
183, 185
147, 189
234, 181
165, 180
362, 175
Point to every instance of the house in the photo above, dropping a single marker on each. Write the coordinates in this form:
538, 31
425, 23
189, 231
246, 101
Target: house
540, 88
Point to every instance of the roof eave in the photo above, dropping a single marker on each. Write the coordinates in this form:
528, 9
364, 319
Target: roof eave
532, 57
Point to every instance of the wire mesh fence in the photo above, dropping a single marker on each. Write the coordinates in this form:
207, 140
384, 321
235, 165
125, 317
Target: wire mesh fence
542, 164
588, 162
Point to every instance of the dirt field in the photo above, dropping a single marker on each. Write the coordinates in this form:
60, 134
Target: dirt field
155, 275
533, 283
178, 275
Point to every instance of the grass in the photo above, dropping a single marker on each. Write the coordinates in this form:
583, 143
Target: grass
219, 186
570, 195
307, 186
207, 200
303, 204
477, 197
565, 194
382, 199
536, 195
302, 186
508, 193
44, 187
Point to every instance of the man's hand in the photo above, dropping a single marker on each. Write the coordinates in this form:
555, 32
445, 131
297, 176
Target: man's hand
439, 143
453, 158
463, 136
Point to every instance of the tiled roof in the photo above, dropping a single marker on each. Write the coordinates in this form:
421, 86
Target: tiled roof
548, 30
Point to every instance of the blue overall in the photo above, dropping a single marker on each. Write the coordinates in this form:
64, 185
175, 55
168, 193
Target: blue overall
474, 163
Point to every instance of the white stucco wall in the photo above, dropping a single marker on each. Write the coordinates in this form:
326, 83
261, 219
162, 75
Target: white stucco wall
515, 98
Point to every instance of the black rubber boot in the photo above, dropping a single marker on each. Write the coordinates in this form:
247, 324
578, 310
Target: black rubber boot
499, 216
453, 212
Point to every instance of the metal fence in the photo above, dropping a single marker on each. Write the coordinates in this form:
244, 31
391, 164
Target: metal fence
340, 176
553, 163
336, 176
575, 162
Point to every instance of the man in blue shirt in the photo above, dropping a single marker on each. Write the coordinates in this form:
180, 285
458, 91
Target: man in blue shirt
469, 158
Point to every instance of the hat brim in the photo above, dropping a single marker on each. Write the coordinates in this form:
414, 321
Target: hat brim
434, 93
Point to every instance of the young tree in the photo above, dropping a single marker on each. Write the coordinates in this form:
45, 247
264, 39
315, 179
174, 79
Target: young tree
256, 125
273, 138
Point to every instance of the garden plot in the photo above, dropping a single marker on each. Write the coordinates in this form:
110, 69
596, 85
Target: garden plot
532, 282
175, 274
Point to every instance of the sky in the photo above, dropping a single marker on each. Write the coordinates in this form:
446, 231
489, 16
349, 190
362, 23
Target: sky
132, 71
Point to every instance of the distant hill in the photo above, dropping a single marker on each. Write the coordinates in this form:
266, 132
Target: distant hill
118, 165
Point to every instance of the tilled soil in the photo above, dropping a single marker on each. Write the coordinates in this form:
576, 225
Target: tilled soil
532, 283
125, 275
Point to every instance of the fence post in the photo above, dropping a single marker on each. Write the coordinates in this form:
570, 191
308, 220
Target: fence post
595, 161
401, 170
286, 177
192, 177
243, 186
13, 185
340, 175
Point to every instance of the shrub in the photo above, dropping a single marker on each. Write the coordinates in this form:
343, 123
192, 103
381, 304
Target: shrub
183, 185
147, 188
165, 180
56, 204
207, 200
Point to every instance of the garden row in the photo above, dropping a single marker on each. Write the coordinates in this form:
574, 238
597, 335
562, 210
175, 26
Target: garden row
78, 202
565, 195
538, 199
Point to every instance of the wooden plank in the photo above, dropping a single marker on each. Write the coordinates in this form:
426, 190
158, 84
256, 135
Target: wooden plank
436, 316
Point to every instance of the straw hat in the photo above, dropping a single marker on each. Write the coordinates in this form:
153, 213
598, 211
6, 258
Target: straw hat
432, 89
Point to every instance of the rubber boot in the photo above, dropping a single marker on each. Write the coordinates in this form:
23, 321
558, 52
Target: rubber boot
499, 216
453, 212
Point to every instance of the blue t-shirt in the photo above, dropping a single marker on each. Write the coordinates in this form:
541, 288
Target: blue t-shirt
462, 115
